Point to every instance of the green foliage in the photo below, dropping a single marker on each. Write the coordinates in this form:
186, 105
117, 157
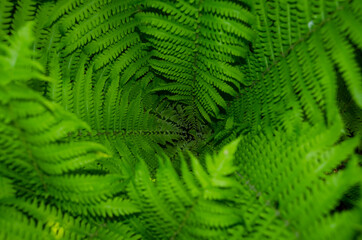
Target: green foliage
197, 205
196, 46
304, 180
43, 174
101, 100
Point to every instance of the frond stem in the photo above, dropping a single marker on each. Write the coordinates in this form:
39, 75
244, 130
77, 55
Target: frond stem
300, 40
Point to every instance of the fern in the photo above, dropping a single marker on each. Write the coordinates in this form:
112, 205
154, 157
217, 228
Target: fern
160, 119
196, 47
302, 181
39, 164
195, 207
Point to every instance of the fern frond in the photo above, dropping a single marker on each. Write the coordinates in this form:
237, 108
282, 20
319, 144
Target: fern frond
39, 163
298, 175
5, 16
190, 207
189, 39
94, 92
24, 13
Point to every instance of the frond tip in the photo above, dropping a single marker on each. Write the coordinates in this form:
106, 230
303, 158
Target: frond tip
202, 206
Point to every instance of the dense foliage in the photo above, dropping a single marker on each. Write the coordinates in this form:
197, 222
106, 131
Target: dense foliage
180, 119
